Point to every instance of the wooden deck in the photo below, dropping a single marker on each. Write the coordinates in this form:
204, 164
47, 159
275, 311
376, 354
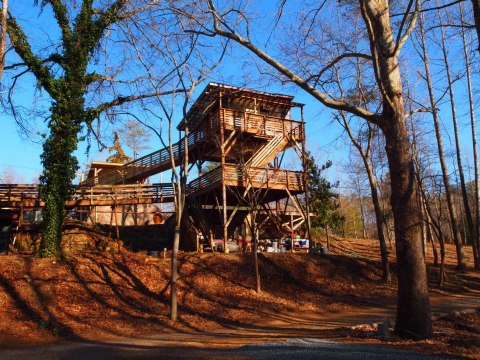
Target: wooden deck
26, 196
275, 179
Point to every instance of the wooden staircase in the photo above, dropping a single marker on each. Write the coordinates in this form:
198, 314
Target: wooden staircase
267, 152
148, 165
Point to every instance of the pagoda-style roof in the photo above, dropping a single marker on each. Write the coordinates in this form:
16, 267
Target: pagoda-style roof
213, 91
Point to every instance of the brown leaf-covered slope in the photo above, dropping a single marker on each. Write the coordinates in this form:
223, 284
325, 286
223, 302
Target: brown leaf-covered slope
116, 292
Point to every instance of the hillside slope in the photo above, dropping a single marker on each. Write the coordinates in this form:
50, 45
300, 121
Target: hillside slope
120, 293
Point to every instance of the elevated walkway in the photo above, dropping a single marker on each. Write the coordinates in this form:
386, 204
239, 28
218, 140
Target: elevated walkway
27, 196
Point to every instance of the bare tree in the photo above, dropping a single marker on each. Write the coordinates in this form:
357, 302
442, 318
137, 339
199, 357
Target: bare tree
365, 154
135, 136
430, 200
476, 231
232, 22
363, 142
450, 84
441, 153
9, 176
190, 66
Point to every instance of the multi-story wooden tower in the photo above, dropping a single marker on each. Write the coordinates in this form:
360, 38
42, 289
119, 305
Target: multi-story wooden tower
238, 135
242, 132
234, 140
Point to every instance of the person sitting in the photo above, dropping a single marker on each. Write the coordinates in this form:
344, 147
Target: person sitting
244, 244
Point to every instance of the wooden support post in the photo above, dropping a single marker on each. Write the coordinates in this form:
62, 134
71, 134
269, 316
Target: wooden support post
224, 186
291, 235
305, 182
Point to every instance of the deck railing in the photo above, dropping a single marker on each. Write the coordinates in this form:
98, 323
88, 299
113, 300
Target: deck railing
14, 193
257, 177
154, 192
262, 124
18, 192
160, 160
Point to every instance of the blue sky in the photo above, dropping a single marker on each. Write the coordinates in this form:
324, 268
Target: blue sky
23, 155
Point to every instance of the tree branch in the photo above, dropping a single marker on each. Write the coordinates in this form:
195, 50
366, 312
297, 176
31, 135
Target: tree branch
3, 35
61, 14
94, 112
402, 39
323, 98
336, 60
433, 8
21, 45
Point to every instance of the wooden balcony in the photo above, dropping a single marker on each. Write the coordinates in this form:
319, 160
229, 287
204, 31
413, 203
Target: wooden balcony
260, 125
265, 178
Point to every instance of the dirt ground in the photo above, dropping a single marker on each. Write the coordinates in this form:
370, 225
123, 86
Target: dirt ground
117, 293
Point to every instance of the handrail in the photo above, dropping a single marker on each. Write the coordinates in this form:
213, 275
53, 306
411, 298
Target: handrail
248, 122
155, 159
254, 176
263, 124
15, 192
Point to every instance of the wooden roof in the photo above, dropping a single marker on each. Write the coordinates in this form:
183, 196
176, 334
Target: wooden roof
102, 165
213, 91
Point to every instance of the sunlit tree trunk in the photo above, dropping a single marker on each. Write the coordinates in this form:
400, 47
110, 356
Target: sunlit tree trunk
413, 305
258, 287
3, 35
180, 178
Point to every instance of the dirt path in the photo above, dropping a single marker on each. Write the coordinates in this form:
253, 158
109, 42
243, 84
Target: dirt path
232, 341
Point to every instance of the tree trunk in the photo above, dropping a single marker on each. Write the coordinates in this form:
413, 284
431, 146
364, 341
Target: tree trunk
255, 258
428, 225
476, 16
362, 211
326, 234
56, 184
174, 275
443, 164
434, 247
379, 218
441, 277
3, 35
413, 305
466, 205
387, 278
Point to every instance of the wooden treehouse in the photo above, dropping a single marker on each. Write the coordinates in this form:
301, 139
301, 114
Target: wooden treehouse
234, 140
